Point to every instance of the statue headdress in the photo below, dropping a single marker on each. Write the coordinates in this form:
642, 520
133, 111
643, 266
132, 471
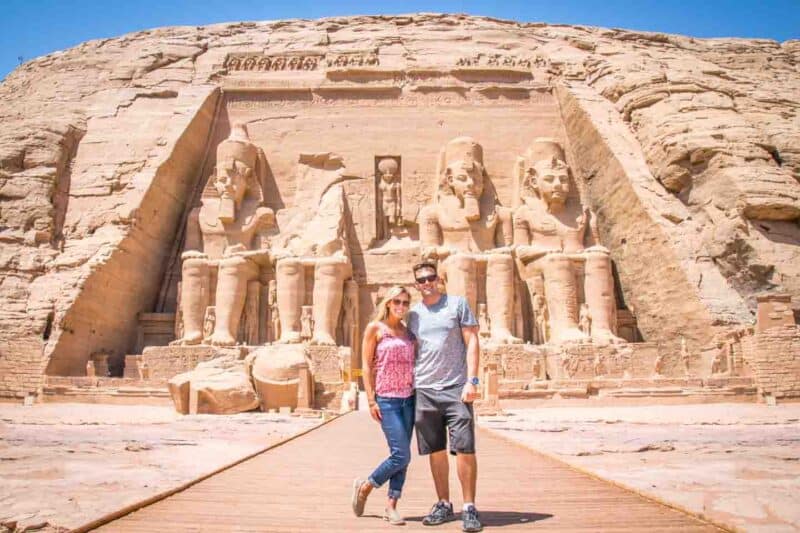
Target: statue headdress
465, 149
239, 147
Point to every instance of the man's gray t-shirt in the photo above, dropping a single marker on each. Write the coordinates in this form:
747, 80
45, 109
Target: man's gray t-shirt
442, 358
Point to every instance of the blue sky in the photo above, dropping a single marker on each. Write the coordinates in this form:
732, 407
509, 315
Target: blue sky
31, 28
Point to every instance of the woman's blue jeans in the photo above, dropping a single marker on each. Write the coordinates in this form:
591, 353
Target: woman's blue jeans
397, 422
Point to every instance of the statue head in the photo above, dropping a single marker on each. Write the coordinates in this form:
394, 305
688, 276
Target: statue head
237, 172
548, 173
388, 168
461, 174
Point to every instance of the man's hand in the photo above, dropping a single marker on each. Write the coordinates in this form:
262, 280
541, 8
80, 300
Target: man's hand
375, 412
470, 394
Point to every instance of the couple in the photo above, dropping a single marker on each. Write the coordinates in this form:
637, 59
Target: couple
432, 391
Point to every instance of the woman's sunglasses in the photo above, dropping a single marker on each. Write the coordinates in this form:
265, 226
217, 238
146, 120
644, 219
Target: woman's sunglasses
427, 279
398, 301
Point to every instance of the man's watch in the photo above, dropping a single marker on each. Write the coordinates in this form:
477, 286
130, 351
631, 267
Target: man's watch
475, 381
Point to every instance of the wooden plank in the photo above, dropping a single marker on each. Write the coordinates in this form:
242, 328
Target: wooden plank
305, 486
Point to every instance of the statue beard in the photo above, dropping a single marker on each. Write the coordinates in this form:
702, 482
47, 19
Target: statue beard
472, 208
227, 209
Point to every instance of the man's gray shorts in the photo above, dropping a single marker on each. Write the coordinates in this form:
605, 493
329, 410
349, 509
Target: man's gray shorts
439, 413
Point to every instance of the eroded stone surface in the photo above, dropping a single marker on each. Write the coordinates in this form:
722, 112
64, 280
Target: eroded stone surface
67, 464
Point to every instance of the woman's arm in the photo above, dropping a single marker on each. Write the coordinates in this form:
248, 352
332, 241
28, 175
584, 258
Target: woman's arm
367, 364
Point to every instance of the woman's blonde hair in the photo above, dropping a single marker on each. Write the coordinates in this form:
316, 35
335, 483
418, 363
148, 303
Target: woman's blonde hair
383, 310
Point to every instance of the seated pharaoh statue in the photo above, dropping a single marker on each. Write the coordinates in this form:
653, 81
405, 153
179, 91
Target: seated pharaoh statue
226, 240
558, 258
464, 228
314, 239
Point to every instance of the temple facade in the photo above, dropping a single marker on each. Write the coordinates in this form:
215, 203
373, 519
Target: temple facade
250, 198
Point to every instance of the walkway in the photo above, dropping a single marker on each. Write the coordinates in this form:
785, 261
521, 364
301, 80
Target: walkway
305, 486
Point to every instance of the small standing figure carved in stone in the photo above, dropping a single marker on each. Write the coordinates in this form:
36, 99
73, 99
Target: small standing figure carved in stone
685, 358
720, 363
540, 310
598, 366
389, 187
350, 315
274, 316
209, 322
483, 321
306, 323
659, 365
537, 369
90, 372
585, 320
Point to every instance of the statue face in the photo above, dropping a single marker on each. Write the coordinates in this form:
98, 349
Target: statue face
552, 180
466, 179
231, 179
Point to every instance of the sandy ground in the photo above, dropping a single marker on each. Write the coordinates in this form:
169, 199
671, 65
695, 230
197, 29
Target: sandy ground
738, 464
66, 464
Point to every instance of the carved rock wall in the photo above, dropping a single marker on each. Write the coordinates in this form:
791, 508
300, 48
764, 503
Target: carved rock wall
688, 149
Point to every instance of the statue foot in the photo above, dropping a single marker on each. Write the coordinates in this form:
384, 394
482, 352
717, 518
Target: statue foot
570, 334
604, 336
190, 339
504, 337
291, 337
323, 339
222, 340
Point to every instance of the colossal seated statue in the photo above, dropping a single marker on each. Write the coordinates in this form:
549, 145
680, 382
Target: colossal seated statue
465, 227
225, 236
319, 244
557, 256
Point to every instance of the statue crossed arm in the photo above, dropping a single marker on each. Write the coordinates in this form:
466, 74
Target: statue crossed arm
550, 234
465, 226
225, 234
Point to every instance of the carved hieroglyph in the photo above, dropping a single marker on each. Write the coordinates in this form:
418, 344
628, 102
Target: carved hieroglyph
555, 253
464, 227
225, 235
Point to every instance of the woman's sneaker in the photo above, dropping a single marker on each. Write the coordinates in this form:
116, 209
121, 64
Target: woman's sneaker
470, 520
393, 517
441, 512
357, 500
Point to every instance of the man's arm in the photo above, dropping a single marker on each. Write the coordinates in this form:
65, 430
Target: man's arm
470, 334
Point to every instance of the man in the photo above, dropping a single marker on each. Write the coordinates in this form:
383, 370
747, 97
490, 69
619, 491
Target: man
446, 383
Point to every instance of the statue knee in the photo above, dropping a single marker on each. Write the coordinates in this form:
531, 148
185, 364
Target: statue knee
236, 267
194, 266
459, 263
289, 268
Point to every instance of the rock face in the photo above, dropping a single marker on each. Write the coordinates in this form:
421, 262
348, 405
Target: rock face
686, 150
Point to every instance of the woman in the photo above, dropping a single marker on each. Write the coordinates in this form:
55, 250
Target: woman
388, 364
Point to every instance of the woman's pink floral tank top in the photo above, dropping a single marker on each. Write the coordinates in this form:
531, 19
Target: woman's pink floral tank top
394, 364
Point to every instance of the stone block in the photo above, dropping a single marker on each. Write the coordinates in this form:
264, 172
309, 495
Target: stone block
774, 311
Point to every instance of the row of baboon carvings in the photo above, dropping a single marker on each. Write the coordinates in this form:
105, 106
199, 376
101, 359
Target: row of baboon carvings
265, 63
275, 62
233, 265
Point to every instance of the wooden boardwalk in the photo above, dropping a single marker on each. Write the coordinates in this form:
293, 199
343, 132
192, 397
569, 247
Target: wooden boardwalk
305, 486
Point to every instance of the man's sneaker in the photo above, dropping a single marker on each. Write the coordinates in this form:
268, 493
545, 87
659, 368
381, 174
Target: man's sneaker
470, 520
441, 512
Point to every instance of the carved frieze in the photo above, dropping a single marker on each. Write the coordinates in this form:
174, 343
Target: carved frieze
264, 63
352, 59
494, 60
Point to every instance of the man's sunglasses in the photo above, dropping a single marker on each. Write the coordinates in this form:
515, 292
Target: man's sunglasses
427, 279
398, 301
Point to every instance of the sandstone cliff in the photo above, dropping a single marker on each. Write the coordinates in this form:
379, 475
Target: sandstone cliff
688, 150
